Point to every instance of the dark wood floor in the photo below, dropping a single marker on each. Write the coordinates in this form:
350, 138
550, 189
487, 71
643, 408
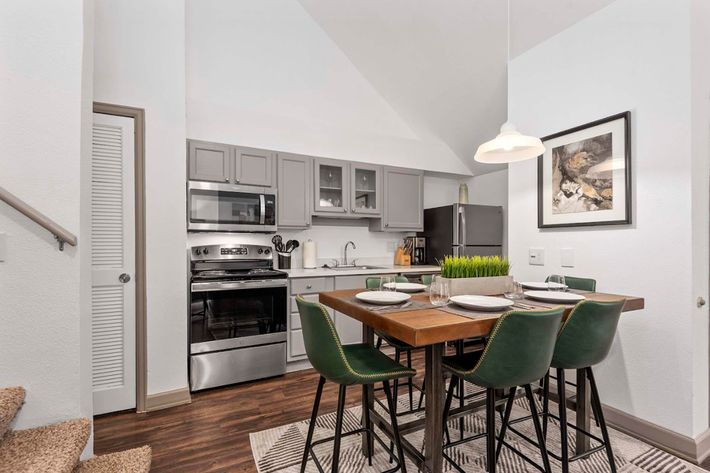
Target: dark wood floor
212, 433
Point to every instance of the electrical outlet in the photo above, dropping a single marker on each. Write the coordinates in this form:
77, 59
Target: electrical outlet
536, 256
567, 257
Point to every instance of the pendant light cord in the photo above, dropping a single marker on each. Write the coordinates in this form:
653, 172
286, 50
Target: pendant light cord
507, 68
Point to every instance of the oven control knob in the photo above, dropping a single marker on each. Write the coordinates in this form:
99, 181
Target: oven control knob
205, 251
267, 251
198, 251
261, 250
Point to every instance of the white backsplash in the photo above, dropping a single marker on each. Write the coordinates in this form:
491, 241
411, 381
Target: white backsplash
371, 247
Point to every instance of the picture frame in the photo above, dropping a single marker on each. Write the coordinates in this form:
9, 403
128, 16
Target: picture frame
584, 175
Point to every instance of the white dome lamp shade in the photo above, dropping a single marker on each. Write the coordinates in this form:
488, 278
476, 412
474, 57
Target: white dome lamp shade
509, 146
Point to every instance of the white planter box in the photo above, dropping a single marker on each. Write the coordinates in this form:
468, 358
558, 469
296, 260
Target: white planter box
479, 286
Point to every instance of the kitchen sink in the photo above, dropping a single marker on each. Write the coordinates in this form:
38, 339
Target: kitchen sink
355, 268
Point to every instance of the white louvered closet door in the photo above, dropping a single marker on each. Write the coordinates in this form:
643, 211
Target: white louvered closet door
113, 345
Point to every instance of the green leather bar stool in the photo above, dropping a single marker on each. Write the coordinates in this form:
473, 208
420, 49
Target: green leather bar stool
584, 341
580, 284
427, 279
346, 365
518, 352
399, 348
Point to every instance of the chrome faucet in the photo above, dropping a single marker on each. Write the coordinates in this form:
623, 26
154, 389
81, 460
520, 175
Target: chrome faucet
345, 256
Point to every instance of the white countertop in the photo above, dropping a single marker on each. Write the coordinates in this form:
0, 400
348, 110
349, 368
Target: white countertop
382, 269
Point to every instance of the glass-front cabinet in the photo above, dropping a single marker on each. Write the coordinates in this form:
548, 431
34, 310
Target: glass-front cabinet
365, 185
331, 187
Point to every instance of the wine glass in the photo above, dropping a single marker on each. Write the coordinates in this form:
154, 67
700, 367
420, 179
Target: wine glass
514, 291
439, 292
387, 283
556, 282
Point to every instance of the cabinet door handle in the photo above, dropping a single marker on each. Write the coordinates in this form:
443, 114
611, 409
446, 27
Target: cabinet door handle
226, 179
344, 209
387, 224
309, 286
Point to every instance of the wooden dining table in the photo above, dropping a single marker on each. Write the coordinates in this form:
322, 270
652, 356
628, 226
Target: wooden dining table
432, 328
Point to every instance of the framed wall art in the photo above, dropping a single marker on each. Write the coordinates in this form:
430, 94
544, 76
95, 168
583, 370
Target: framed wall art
584, 176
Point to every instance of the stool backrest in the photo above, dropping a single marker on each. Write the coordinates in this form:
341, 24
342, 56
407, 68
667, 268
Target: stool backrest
427, 279
587, 334
323, 345
374, 283
581, 284
519, 349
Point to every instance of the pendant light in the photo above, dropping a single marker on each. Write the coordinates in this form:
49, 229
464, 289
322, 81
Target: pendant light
510, 145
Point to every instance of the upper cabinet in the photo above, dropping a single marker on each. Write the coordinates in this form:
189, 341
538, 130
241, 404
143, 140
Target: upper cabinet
331, 187
403, 208
209, 161
253, 167
218, 162
365, 189
294, 177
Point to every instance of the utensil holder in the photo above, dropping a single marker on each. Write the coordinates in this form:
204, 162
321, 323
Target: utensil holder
284, 260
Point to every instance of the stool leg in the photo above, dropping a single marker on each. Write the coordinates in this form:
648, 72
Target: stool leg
421, 393
462, 388
447, 405
338, 428
597, 407
562, 400
410, 381
538, 428
397, 358
506, 418
395, 427
368, 424
378, 345
545, 403
312, 425
491, 430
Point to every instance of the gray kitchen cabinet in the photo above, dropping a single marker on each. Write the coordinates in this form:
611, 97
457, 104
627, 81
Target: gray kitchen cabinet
365, 189
208, 161
403, 201
331, 182
253, 167
294, 177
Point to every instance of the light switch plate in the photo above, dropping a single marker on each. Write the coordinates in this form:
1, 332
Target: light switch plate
3, 247
567, 257
536, 256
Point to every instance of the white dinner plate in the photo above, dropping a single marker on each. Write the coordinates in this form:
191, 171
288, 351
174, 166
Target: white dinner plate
555, 296
382, 297
543, 286
406, 286
482, 302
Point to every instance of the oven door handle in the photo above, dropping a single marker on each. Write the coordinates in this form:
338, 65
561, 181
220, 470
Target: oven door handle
262, 206
237, 285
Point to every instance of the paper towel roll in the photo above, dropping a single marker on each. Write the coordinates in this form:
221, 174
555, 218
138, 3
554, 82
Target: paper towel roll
310, 254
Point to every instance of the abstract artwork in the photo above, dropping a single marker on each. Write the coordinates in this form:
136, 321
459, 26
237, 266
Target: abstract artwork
584, 175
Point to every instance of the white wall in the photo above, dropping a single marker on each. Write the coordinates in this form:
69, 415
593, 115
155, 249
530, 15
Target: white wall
632, 55
264, 74
140, 61
41, 92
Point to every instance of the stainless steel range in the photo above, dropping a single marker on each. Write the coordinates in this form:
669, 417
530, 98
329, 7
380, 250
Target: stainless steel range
237, 315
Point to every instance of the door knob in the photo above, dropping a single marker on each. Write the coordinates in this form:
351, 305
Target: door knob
124, 278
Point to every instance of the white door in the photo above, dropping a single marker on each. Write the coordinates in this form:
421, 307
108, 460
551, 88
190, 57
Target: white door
113, 346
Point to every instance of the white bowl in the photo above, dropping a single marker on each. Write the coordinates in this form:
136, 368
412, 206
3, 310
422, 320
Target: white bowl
555, 296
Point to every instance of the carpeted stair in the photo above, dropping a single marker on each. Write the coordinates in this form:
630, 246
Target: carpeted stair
56, 448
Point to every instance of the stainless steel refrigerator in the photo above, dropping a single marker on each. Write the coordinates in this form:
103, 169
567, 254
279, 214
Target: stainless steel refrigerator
463, 230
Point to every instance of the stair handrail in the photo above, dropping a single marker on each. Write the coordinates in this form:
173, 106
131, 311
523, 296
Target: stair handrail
61, 234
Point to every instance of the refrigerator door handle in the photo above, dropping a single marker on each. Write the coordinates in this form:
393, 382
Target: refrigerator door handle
462, 216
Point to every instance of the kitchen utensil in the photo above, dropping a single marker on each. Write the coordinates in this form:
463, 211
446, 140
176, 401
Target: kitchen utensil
382, 297
278, 243
555, 296
482, 302
406, 286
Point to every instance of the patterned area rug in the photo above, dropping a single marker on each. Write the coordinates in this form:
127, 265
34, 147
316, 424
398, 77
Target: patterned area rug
280, 449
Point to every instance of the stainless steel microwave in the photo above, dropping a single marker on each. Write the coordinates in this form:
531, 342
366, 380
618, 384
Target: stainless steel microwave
229, 208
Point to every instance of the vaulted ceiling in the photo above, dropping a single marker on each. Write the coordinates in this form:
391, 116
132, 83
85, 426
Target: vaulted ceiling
442, 65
